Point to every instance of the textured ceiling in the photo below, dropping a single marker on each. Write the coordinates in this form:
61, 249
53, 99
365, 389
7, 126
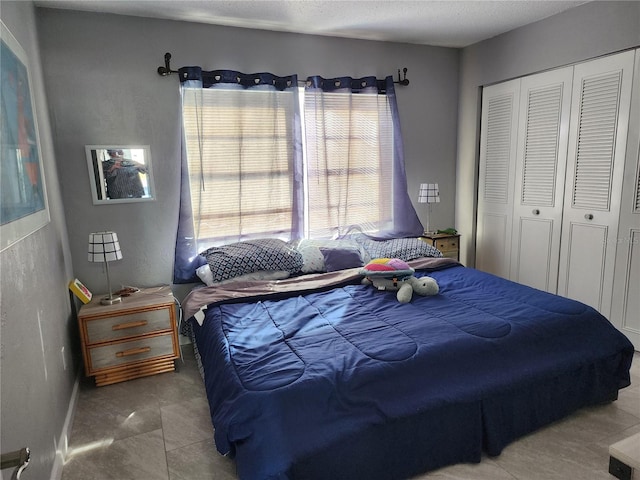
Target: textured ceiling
452, 23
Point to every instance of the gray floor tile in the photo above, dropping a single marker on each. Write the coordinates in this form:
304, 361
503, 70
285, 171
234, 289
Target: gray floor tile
140, 457
487, 469
199, 461
186, 423
107, 419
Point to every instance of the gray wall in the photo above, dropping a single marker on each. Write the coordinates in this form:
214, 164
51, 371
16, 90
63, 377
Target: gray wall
587, 31
102, 85
36, 310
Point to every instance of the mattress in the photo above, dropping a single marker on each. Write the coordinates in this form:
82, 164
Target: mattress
322, 377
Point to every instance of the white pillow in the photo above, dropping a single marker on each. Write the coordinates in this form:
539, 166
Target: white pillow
312, 258
205, 274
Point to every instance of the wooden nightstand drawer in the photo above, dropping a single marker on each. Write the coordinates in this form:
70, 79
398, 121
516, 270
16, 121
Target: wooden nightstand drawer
128, 352
447, 244
129, 325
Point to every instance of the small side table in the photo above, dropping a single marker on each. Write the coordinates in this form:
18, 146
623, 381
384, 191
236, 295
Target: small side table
624, 458
131, 339
448, 244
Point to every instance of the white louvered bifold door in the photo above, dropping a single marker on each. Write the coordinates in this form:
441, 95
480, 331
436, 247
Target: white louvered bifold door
545, 103
625, 309
593, 184
498, 140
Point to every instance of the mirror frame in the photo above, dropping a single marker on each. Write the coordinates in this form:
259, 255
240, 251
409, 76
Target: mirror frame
96, 174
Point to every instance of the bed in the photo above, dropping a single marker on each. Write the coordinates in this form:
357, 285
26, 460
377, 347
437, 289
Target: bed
318, 376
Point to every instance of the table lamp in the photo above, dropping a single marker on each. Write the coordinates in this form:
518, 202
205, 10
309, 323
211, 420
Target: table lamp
429, 194
104, 247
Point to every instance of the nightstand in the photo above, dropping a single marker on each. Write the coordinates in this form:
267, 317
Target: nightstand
131, 339
624, 458
448, 244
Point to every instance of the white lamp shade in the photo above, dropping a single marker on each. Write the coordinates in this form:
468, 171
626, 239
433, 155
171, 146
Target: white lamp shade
429, 193
104, 247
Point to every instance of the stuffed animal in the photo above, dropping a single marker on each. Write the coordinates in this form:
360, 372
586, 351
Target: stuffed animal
395, 275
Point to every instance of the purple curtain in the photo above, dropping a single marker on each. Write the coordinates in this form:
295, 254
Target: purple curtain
348, 201
405, 219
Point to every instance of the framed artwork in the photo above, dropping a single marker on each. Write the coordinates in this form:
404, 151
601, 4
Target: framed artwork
23, 196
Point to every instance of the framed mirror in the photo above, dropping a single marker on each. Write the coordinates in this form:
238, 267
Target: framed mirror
120, 174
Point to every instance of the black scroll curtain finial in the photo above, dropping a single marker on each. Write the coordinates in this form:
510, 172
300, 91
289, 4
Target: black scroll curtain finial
404, 81
166, 70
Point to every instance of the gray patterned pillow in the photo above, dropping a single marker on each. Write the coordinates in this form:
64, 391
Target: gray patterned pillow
403, 248
233, 260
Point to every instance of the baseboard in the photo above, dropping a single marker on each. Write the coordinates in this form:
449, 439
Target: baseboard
63, 442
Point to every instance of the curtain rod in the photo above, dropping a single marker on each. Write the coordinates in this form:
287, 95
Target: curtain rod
165, 71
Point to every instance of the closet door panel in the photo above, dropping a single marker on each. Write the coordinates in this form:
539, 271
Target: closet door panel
596, 154
497, 231
533, 253
625, 310
543, 126
498, 140
586, 276
626, 306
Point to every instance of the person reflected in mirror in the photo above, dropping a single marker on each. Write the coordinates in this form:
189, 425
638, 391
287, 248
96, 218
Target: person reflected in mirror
123, 176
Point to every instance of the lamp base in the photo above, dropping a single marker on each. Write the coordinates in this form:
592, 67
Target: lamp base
110, 300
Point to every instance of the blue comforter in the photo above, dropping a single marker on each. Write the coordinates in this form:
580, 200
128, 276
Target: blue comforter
300, 373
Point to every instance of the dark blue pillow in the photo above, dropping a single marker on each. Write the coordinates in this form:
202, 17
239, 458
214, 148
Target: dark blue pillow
341, 258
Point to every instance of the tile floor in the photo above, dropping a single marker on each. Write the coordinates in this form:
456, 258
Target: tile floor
158, 428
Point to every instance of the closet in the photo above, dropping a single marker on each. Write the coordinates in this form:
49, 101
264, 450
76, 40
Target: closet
559, 182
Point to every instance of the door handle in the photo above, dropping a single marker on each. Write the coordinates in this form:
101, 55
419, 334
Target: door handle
18, 459
535, 211
588, 216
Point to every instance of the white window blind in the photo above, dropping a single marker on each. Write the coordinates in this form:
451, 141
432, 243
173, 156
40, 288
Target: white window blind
239, 149
349, 152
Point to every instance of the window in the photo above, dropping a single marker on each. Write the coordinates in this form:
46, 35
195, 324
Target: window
348, 159
239, 149
244, 172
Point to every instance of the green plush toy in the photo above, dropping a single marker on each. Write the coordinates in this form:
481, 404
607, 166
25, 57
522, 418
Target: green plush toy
395, 275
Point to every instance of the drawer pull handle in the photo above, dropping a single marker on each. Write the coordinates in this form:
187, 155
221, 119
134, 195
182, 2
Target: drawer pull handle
133, 351
124, 326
